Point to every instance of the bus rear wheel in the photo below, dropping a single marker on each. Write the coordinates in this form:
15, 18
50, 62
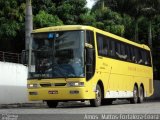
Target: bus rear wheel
134, 100
141, 95
52, 104
97, 101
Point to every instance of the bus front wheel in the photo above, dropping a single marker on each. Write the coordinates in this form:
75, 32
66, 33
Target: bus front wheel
52, 104
97, 101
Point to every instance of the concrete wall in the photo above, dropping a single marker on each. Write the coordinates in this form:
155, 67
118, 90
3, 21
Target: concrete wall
13, 83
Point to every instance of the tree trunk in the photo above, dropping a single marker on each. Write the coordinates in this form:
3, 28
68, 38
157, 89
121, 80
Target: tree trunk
102, 4
28, 23
150, 34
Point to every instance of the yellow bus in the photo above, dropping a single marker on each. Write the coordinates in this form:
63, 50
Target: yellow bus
78, 63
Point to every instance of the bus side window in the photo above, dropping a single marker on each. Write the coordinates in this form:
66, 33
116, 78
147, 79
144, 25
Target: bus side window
140, 60
145, 56
105, 49
107, 39
112, 50
123, 52
133, 55
128, 50
118, 50
136, 55
148, 58
100, 44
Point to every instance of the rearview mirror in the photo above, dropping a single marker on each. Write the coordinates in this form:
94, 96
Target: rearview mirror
87, 45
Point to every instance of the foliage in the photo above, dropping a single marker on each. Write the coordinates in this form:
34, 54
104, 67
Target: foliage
43, 19
136, 9
45, 13
12, 15
87, 19
49, 6
109, 21
69, 11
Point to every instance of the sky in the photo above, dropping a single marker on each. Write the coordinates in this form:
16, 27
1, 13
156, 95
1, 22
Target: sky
90, 3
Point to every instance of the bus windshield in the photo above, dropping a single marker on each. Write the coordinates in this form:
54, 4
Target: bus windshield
57, 55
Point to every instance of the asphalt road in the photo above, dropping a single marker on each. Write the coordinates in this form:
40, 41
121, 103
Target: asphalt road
81, 111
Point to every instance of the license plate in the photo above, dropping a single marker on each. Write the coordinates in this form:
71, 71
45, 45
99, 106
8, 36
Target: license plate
53, 92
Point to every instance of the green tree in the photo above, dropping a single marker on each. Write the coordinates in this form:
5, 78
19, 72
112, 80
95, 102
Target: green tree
48, 6
136, 9
99, 4
156, 46
69, 11
151, 9
11, 17
109, 21
88, 18
130, 7
43, 19
12, 14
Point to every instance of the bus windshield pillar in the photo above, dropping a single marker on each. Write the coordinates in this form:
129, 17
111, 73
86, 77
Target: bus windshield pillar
89, 62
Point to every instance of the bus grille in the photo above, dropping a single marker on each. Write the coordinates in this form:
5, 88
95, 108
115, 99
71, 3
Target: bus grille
60, 84
46, 85
54, 84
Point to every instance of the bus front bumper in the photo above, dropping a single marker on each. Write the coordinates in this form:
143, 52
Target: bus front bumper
60, 94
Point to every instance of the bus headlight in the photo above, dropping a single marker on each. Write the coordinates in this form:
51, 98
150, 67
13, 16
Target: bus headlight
75, 84
33, 85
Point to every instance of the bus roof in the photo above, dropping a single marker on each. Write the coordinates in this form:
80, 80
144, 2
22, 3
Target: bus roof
83, 27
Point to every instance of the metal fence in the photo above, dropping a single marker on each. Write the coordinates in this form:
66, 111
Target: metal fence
10, 57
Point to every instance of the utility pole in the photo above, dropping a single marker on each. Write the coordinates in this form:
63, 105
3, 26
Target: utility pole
28, 24
150, 35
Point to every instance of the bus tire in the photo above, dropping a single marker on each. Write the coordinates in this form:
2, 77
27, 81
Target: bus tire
134, 100
141, 95
52, 104
97, 101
